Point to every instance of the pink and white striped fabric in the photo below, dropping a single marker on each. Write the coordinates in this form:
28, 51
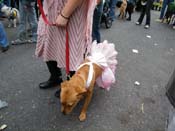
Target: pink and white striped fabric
51, 39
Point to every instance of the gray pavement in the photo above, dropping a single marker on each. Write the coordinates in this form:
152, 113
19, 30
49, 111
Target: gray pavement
126, 107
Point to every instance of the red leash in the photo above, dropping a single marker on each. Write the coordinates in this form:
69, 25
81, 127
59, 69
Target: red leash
67, 34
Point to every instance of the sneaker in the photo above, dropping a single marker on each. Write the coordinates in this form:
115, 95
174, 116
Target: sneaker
4, 49
18, 42
174, 27
138, 23
31, 41
165, 21
146, 26
159, 20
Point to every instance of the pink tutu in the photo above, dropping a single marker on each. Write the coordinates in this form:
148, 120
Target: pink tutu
104, 55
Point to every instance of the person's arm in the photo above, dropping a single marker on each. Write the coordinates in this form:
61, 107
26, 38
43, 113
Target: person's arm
68, 9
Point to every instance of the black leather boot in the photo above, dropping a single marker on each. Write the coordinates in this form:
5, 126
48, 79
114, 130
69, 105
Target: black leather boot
55, 78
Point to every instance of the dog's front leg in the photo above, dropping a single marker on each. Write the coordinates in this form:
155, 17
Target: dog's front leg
14, 23
82, 116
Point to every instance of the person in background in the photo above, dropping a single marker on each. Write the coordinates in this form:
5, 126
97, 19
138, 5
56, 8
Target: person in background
163, 10
3, 39
27, 17
96, 21
146, 9
112, 9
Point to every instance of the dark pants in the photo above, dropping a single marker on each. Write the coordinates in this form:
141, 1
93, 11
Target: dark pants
96, 22
55, 72
146, 9
171, 89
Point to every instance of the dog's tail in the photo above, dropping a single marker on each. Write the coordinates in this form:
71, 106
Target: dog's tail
104, 55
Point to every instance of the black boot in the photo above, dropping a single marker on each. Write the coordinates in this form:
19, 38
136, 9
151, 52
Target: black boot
55, 78
57, 93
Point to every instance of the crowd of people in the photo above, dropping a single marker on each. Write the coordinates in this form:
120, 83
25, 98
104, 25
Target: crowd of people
28, 11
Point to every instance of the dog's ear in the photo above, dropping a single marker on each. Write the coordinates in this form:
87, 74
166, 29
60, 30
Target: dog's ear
64, 84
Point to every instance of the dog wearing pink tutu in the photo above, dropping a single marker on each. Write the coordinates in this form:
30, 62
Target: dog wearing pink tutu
99, 67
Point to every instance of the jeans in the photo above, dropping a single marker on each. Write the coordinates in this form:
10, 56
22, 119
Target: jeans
112, 9
7, 2
1, 5
164, 5
3, 36
96, 23
146, 9
28, 17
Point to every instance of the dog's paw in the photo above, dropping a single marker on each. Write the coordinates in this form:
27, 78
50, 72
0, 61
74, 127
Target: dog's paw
82, 117
9, 26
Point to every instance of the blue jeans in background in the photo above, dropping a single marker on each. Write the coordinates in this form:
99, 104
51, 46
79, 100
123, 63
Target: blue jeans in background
3, 37
112, 9
164, 5
7, 2
96, 22
28, 17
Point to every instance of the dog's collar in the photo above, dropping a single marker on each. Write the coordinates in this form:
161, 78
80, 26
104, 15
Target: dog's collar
90, 74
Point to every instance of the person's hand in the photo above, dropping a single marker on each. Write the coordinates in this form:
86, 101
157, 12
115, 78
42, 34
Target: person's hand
61, 21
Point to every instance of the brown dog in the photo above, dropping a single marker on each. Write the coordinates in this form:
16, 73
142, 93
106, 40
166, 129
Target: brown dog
75, 89
123, 9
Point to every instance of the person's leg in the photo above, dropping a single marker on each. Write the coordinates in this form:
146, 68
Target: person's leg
22, 28
142, 14
55, 76
7, 2
164, 5
3, 39
32, 20
112, 9
148, 12
22, 24
96, 23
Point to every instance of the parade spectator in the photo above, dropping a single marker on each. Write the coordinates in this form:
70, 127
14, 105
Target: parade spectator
27, 17
3, 39
112, 9
163, 10
96, 21
146, 9
78, 14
